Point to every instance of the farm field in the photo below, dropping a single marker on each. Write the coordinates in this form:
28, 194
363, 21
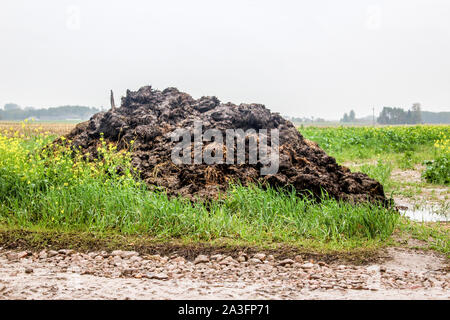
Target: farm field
58, 193
412, 162
30, 128
59, 211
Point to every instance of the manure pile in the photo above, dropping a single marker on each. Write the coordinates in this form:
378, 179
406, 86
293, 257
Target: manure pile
149, 117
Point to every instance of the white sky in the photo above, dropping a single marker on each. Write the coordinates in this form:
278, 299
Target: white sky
300, 58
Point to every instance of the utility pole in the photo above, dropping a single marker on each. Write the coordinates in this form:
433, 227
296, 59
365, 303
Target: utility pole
373, 117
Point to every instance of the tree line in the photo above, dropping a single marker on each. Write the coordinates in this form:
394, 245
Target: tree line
14, 112
391, 115
399, 116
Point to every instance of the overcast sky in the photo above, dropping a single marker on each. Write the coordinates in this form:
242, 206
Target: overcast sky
301, 58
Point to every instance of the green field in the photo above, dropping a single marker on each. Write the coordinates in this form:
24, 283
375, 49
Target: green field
411, 162
53, 191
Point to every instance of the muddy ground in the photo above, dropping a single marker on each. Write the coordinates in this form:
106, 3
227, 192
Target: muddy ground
66, 274
425, 196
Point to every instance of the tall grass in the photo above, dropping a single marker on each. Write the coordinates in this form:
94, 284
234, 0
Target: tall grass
380, 172
57, 188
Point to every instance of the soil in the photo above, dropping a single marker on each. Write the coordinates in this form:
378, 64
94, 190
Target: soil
35, 241
148, 117
428, 196
67, 274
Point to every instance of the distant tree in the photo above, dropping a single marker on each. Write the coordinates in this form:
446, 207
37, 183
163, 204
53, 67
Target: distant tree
436, 117
11, 106
409, 117
383, 118
352, 116
13, 112
393, 116
345, 118
416, 113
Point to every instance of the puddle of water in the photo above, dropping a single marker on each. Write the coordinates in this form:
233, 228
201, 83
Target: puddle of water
426, 215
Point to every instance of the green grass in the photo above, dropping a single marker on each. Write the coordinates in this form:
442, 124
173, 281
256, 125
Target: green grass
381, 150
249, 214
432, 236
404, 144
57, 190
378, 151
54, 189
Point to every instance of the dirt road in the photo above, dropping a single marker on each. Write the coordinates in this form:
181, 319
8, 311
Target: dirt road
65, 274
